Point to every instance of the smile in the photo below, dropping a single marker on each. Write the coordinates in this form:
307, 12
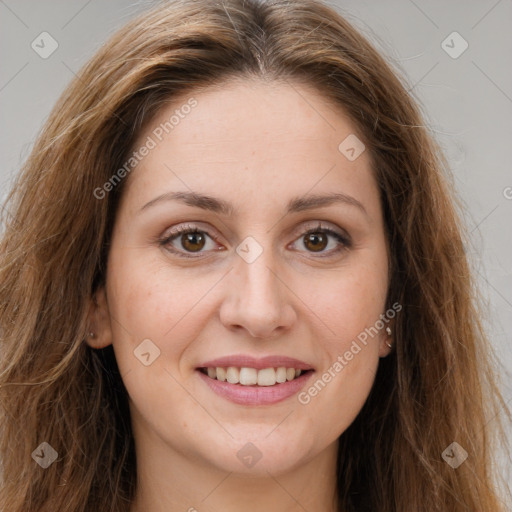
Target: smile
252, 376
248, 380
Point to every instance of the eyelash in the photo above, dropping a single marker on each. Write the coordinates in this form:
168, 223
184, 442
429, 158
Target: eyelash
186, 229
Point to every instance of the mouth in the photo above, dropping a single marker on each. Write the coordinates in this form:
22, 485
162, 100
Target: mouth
246, 380
246, 376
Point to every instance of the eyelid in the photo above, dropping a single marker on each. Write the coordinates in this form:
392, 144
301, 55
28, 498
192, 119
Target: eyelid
180, 228
305, 228
341, 236
184, 228
319, 225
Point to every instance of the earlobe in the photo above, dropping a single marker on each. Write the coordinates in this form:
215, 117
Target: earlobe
99, 334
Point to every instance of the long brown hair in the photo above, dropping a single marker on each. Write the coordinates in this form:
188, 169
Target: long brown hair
439, 385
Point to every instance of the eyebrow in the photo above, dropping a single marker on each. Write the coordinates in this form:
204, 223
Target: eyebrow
220, 206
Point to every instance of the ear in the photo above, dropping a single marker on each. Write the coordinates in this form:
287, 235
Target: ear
100, 330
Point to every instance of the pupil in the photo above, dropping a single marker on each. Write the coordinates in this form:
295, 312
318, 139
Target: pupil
192, 240
318, 240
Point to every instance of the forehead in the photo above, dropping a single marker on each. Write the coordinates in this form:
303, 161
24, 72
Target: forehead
275, 139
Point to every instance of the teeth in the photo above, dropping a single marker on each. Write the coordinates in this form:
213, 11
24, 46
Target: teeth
233, 375
248, 376
267, 377
252, 376
281, 374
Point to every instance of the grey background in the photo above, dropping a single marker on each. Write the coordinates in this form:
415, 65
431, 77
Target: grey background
467, 103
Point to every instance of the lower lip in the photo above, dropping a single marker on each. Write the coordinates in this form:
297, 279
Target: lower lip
256, 395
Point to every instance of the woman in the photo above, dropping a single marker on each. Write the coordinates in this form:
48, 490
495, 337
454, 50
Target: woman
234, 277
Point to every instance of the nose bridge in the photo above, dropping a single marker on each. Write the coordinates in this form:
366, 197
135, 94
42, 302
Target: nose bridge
258, 300
255, 259
259, 282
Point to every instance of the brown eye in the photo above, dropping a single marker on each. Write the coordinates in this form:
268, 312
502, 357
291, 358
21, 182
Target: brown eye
324, 242
316, 241
193, 242
188, 241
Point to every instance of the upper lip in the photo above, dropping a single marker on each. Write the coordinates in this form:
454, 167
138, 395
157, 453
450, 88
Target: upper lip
246, 361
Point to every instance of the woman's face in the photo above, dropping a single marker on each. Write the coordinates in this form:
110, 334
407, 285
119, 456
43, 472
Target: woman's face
249, 166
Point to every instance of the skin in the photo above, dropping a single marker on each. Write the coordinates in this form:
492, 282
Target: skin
257, 145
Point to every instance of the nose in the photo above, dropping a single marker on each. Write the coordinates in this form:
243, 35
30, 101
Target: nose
257, 299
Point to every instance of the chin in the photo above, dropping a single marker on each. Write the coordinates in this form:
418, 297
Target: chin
257, 455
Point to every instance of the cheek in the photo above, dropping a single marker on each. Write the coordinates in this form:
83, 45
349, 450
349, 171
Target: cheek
349, 390
147, 301
350, 300
350, 306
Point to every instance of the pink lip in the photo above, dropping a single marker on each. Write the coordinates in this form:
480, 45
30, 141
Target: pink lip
255, 395
245, 361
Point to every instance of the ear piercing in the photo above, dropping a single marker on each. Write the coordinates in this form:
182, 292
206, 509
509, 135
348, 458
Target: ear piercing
92, 335
388, 332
